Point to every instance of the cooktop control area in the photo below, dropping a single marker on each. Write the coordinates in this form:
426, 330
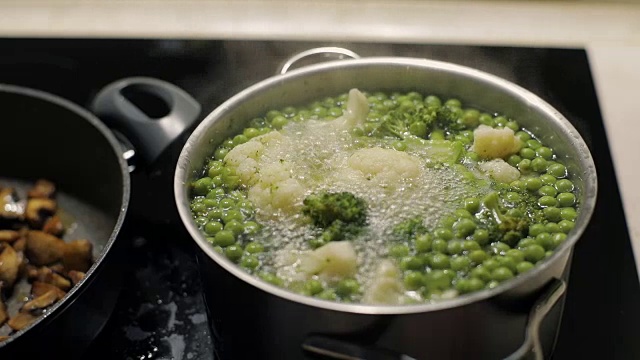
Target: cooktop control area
160, 313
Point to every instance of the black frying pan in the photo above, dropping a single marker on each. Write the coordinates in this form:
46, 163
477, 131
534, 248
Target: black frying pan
44, 136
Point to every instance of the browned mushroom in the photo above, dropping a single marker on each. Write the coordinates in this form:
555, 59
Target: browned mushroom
38, 210
11, 210
10, 262
21, 321
77, 255
41, 302
46, 275
39, 288
43, 248
20, 244
53, 226
42, 189
3, 338
9, 235
3, 313
75, 276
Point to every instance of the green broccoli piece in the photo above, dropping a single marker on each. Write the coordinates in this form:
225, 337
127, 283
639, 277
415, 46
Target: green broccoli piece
407, 123
502, 227
341, 215
448, 120
410, 228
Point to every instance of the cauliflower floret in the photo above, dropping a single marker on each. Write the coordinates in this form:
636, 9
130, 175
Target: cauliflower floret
333, 261
356, 112
386, 287
490, 143
499, 170
385, 166
276, 191
244, 157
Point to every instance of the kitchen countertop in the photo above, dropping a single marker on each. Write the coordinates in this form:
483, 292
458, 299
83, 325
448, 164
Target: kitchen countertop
609, 30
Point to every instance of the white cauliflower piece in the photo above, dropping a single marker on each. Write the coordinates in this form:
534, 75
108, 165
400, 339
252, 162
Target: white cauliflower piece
356, 112
333, 261
385, 166
386, 288
499, 170
276, 191
490, 143
244, 157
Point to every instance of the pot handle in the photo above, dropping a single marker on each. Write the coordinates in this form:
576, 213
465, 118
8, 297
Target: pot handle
540, 309
148, 112
338, 52
337, 349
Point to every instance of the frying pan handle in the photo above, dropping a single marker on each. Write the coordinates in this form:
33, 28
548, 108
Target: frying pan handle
544, 304
329, 51
150, 113
331, 348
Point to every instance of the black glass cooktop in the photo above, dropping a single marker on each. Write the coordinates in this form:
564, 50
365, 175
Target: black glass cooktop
160, 313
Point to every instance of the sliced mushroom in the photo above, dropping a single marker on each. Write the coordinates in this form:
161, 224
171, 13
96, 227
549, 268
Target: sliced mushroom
58, 268
10, 262
21, 321
3, 338
3, 313
11, 210
43, 301
53, 226
43, 248
42, 189
77, 255
20, 244
38, 210
75, 276
46, 275
9, 235
39, 288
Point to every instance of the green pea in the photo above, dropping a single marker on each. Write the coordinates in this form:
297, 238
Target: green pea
526, 242
463, 214
475, 284
213, 227
226, 203
533, 184
224, 238
239, 139
234, 226
499, 247
439, 245
437, 135
220, 153
524, 267
217, 182
514, 160
547, 190
486, 119
413, 280
502, 273
464, 227
544, 240
251, 227
558, 239
440, 261
533, 253
215, 214
250, 133
227, 143
432, 100
551, 227
472, 157
512, 125
568, 213
335, 112
515, 254
215, 193
545, 152
454, 247
447, 222
533, 144
313, 287
517, 185
480, 272
478, 256
471, 118
453, 103
328, 294
254, 248
347, 287
249, 261
215, 168
545, 201
523, 136
527, 153
271, 278
422, 243
273, 114
557, 170
463, 286
232, 214
490, 264
233, 252
507, 262
524, 165
515, 212
437, 280
500, 121
566, 199
481, 236
539, 164
399, 251
460, 263
199, 208
202, 186
564, 185
512, 197
547, 179
399, 145
470, 245
411, 263
444, 234
201, 220
472, 205
566, 226
418, 128
492, 284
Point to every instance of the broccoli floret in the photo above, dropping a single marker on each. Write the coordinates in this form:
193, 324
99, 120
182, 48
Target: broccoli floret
502, 227
410, 228
407, 123
448, 120
342, 215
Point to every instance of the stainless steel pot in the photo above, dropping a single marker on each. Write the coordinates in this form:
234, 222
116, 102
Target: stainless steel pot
253, 319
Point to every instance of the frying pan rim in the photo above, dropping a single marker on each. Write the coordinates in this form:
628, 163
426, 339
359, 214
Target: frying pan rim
79, 288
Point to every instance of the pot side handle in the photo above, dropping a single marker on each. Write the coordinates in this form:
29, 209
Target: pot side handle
330, 51
148, 112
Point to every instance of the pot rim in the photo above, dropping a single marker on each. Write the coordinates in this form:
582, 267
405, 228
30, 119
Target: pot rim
79, 288
587, 205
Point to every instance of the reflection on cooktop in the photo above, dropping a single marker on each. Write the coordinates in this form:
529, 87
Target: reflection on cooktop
160, 313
